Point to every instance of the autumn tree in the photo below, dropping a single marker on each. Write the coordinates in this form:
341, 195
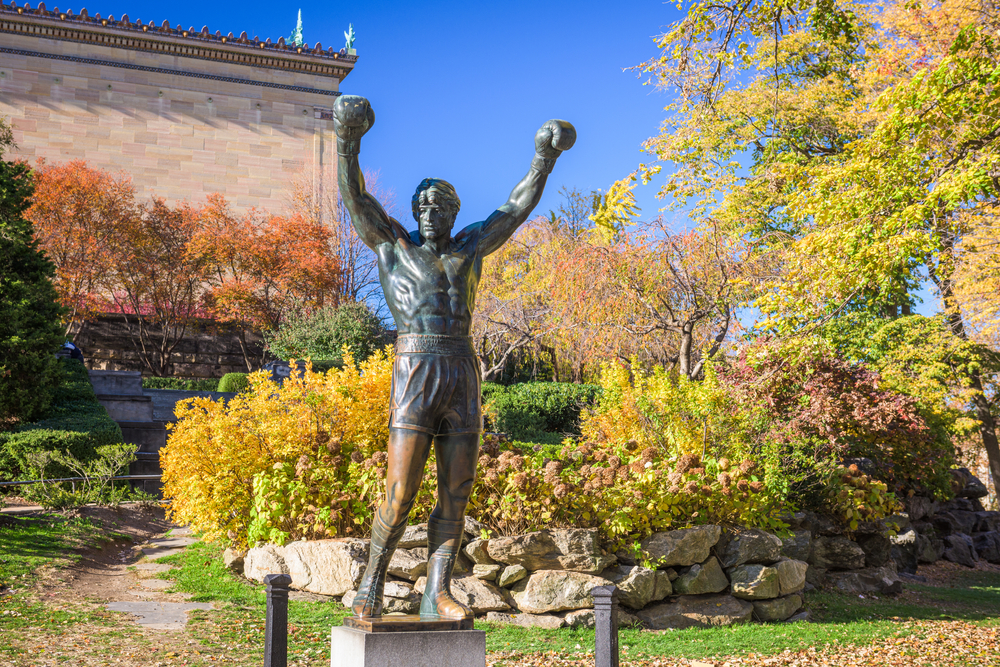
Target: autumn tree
77, 211
859, 140
260, 267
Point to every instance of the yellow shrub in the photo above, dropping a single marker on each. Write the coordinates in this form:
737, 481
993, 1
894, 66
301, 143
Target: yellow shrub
213, 451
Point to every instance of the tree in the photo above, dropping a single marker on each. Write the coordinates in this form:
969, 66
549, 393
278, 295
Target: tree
857, 140
77, 212
260, 267
158, 285
319, 201
324, 332
30, 333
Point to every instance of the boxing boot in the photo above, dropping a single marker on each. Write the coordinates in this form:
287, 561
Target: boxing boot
444, 539
368, 601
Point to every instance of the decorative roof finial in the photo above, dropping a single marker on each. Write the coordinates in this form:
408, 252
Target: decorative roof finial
350, 36
295, 39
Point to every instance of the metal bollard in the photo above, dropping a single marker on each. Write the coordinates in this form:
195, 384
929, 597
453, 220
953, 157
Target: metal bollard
276, 630
606, 625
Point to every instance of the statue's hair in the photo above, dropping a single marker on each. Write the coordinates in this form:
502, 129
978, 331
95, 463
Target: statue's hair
446, 195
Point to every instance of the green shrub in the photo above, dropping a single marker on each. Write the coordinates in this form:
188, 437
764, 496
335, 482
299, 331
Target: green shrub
30, 332
75, 424
323, 334
184, 384
529, 410
234, 382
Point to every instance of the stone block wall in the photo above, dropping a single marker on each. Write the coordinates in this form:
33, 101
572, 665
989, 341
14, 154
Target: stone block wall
184, 113
207, 350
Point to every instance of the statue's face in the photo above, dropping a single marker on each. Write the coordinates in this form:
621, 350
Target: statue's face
436, 219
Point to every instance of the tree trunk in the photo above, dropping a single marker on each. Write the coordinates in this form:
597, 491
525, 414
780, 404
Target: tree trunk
988, 430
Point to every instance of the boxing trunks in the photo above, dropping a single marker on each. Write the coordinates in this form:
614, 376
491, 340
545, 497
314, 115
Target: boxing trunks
436, 385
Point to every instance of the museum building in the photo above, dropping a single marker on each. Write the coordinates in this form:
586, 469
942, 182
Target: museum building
184, 112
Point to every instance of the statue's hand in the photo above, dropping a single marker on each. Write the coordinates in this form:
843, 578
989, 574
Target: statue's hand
554, 137
352, 117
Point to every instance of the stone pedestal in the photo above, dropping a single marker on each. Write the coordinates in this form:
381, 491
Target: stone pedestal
436, 648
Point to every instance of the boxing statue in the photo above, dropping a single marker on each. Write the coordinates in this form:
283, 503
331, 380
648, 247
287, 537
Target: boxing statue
430, 279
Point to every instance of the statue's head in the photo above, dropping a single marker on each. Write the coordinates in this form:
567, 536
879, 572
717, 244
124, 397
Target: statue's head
435, 206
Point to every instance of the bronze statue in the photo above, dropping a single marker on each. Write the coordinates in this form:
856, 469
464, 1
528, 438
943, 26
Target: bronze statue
429, 280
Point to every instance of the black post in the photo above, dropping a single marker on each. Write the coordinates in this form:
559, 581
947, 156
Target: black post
276, 630
606, 624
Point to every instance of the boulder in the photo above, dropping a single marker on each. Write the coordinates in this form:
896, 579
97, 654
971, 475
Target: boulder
919, 507
869, 580
798, 545
899, 523
263, 560
987, 522
581, 618
801, 617
511, 575
962, 505
636, 584
700, 611
748, 545
573, 549
683, 547
233, 560
627, 619
546, 621
904, 551
929, 550
754, 582
876, 548
662, 586
967, 485
953, 522
791, 576
838, 553
706, 577
960, 549
408, 565
556, 590
473, 529
397, 589
414, 536
407, 605
481, 596
815, 577
777, 609
987, 546
476, 552
327, 567
486, 572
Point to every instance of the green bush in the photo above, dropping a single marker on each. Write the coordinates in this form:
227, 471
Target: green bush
184, 384
75, 424
30, 332
234, 382
323, 334
530, 410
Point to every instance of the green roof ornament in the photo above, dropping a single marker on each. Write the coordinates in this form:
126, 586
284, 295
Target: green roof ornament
295, 39
350, 36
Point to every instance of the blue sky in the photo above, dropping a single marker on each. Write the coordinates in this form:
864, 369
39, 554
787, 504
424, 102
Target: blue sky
459, 88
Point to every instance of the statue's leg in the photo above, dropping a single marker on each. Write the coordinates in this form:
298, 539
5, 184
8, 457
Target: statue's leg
408, 452
456, 468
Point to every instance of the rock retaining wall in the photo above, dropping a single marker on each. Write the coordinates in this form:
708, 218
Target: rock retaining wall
704, 576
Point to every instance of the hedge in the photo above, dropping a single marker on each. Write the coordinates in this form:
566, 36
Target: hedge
525, 411
75, 422
234, 382
185, 384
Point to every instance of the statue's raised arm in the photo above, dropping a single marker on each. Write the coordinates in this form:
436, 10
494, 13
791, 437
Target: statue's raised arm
554, 137
352, 118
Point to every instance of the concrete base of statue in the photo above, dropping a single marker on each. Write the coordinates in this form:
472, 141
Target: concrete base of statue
405, 644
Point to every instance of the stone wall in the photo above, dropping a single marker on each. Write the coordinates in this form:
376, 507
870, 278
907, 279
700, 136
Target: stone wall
206, 351
705, 576
185, 113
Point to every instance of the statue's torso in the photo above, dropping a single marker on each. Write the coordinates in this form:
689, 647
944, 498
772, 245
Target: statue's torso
429, 293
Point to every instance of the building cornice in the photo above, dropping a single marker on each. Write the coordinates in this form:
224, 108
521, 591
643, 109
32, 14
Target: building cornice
164, 40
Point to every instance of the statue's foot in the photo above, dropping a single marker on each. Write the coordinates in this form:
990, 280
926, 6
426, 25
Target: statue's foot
442, 605
368, 601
